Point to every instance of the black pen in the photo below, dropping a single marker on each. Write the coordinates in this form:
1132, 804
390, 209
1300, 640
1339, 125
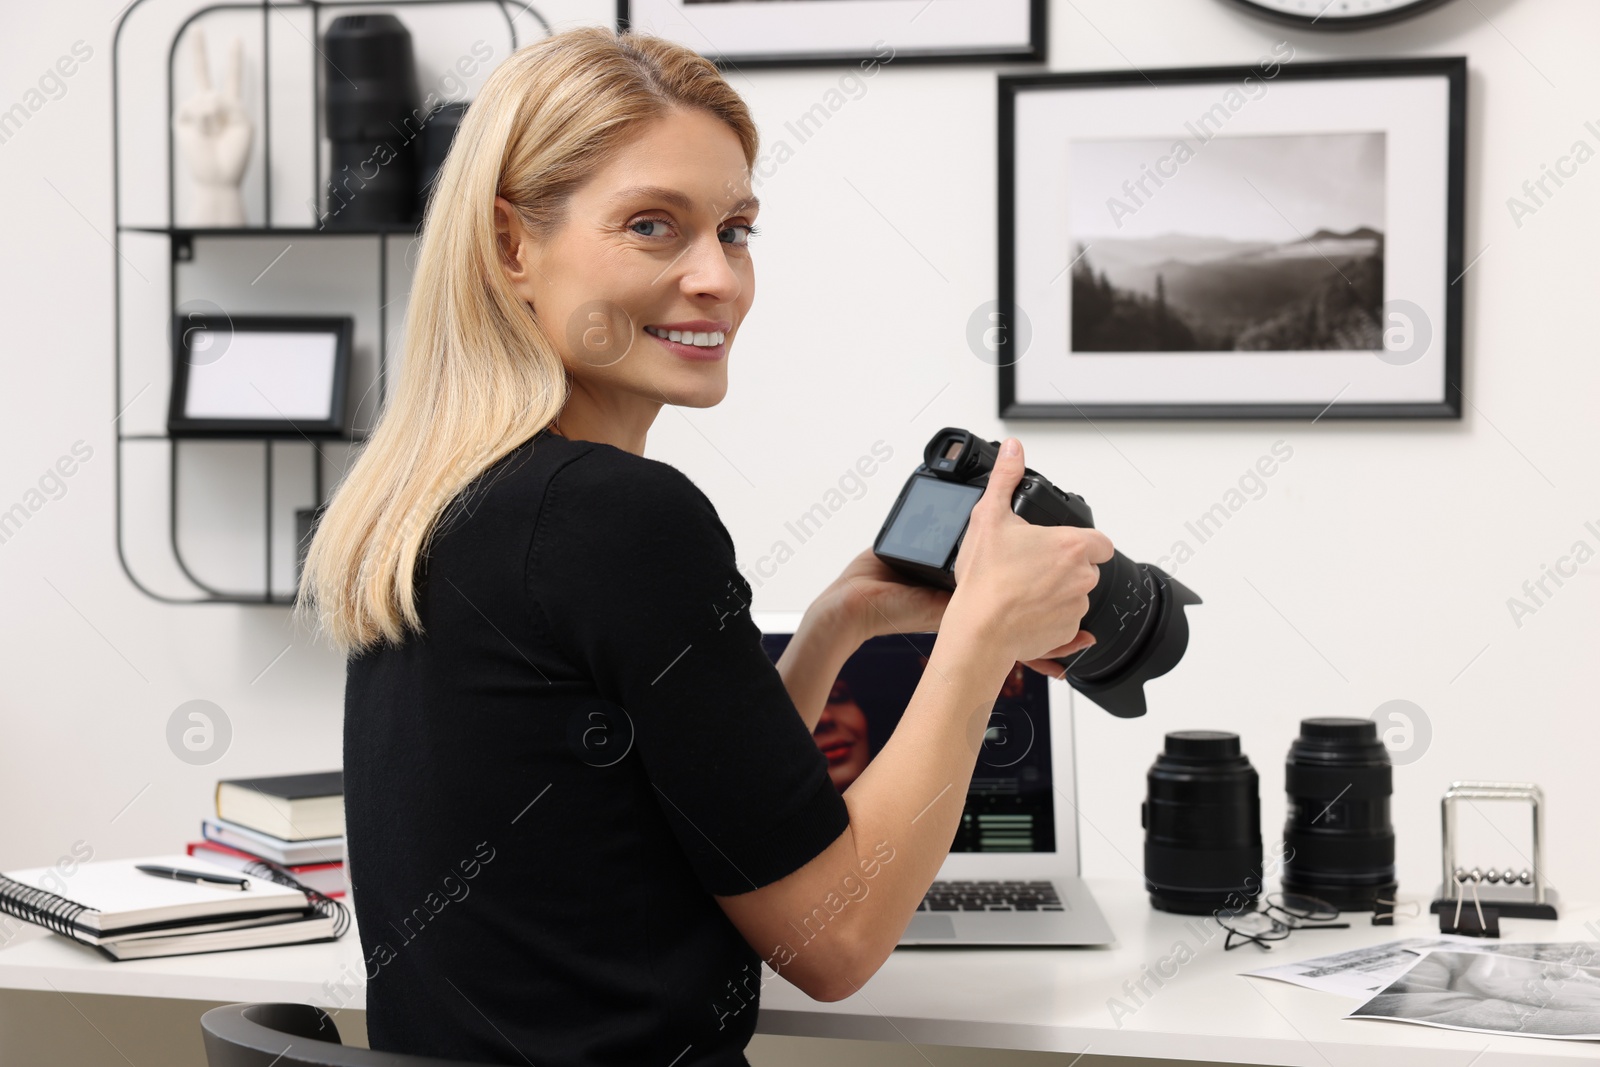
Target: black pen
179, 875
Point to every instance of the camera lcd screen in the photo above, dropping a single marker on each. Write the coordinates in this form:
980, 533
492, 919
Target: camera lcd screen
928, 523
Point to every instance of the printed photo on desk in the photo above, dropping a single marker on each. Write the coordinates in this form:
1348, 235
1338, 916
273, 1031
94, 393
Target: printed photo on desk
1495, 993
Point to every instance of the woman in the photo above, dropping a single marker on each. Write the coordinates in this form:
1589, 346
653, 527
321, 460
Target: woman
582, 805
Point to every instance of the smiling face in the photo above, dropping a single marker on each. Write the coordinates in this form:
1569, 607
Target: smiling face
644, 285
841, 734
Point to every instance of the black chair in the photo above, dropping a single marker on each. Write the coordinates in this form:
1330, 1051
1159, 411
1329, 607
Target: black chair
291, 1035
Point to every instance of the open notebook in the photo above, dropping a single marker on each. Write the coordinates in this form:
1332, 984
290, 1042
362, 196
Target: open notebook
128, 914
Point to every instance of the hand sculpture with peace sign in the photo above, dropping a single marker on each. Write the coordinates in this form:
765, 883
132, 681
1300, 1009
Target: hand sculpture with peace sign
214, 135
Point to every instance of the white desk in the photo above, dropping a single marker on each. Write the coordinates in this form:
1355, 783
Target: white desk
1052, 1000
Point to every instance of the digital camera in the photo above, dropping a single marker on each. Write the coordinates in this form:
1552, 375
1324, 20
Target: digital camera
1136, 610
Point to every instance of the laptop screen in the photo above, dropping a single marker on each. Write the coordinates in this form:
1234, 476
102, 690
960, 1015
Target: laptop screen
1009, 806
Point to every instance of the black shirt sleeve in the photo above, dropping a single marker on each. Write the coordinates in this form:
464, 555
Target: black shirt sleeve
634, 574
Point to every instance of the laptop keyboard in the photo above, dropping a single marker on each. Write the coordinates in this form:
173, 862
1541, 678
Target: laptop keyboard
955, 895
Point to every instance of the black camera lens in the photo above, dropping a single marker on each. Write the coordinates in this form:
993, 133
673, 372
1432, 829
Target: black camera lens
1339, 839
1202, 825
372, 116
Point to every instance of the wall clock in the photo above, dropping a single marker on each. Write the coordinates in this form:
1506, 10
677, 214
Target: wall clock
1338, 14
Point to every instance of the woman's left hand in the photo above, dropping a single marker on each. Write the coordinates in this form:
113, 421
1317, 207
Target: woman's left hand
1047, 664
884, 601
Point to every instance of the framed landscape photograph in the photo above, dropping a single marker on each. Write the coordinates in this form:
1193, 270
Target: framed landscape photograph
774, 33
1280, 240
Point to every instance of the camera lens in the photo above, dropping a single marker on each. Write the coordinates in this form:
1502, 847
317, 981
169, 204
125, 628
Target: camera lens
1339, 839
1140, 629
1202, 823
371, 111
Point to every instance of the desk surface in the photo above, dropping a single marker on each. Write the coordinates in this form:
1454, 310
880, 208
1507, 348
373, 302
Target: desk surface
1054, 1000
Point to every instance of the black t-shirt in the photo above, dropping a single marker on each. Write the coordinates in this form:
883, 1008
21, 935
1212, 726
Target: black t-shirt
543, 791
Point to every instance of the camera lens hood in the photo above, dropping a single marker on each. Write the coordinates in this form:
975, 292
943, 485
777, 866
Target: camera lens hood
1119, 688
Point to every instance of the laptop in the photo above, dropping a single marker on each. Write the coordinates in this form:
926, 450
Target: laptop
1012, 876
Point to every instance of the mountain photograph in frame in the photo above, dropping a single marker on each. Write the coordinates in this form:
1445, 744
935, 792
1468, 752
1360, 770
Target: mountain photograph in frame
1215, 265
1280, 240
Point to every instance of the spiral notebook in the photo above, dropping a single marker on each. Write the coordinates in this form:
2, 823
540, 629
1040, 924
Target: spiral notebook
127, 914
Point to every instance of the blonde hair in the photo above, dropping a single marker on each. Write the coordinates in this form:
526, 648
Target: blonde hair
479, 373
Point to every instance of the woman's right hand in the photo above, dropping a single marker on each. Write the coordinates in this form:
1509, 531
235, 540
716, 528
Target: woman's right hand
1025, 587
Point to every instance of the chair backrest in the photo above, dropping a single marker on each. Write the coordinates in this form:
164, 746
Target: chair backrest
291, 1035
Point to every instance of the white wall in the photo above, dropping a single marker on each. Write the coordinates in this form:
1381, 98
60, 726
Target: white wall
1377, 566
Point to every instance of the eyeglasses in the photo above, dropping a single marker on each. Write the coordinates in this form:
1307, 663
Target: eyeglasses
1275, 917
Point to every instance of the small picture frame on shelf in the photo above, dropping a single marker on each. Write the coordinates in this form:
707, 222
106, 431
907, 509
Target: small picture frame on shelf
1280, 241
777, 33
260, 376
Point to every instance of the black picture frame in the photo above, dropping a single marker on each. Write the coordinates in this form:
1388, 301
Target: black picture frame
186, 327
1452, 69
1034, 50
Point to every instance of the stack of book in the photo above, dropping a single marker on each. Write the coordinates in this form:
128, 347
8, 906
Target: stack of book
153, 906
293, 820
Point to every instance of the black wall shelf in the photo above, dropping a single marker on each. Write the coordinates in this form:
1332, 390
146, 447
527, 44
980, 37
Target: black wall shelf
184, 243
